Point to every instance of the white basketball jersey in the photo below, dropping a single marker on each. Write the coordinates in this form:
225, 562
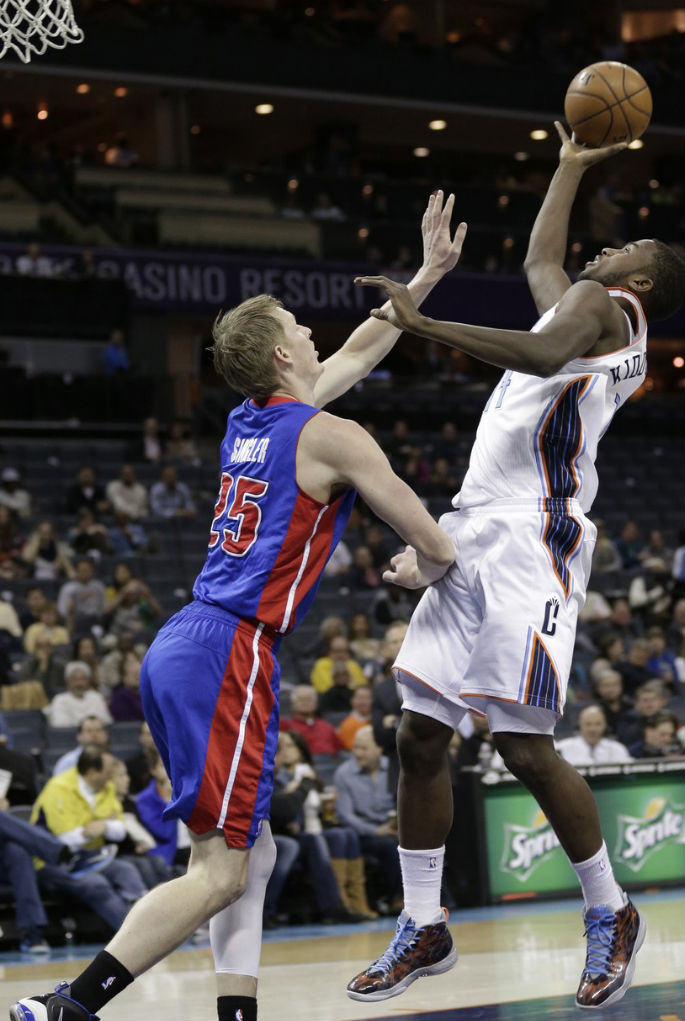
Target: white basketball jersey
538, 437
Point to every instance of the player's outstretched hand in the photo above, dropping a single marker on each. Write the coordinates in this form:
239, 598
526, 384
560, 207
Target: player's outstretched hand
402, 313
573, 152
404, 570
440, 251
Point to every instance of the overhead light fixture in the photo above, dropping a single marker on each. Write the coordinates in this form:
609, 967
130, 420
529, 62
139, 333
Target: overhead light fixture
437, 125
422, 151
42, 113
521, 157
636, 143
654, 184
678, 362
83, 88
539, 135
263, 109
121, 91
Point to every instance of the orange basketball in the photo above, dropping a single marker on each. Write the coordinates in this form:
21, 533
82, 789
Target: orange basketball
608, 102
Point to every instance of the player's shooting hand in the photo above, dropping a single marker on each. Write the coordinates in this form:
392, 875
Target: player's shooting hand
402, 313
440, 251
404, 570
573, 152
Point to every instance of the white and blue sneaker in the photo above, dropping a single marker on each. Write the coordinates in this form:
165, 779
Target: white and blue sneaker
413, 952
55, 1006
613, 941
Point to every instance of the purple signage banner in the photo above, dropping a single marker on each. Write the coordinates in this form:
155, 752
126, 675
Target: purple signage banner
202, 283
161, 281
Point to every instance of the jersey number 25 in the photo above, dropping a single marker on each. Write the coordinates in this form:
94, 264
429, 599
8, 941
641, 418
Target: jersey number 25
240, 525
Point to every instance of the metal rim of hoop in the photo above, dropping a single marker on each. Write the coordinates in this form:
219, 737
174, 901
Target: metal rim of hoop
29, 27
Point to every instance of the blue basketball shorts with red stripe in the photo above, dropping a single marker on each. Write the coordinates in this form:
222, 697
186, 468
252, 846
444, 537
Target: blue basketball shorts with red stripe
209, 685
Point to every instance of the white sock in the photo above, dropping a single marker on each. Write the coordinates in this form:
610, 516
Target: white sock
597, 881
421, 880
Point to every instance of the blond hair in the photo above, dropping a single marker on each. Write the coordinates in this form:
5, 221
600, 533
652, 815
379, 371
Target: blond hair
244, 342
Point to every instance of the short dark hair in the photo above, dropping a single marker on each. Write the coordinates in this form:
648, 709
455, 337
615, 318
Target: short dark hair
90, 758
85, 719
667, 269
659, 717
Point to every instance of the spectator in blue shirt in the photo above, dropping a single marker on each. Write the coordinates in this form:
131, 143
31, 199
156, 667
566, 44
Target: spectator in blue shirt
367, 806
151, 804
661, 662
116, 360
170, 498
127, 537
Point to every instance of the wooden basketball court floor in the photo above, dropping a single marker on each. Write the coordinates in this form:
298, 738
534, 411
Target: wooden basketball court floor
519, 962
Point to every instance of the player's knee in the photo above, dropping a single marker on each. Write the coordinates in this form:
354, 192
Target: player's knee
526, 756
219, 886
226, 890
422, 744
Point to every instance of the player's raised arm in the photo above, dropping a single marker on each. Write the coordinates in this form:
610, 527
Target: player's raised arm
544, 264
335, 452
372, 341
585, 315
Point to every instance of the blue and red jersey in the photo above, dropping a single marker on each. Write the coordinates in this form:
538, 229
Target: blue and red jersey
269, 541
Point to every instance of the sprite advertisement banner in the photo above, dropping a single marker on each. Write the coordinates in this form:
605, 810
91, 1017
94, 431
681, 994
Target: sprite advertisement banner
642, 808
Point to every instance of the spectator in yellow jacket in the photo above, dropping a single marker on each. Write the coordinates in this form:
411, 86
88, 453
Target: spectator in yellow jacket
338, 651
80, 806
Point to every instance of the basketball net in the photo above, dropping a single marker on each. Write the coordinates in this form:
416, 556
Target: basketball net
29, 26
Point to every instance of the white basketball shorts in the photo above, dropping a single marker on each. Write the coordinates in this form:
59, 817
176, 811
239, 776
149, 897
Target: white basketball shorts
501, 624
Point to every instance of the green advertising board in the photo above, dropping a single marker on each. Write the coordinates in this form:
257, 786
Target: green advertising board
642, 808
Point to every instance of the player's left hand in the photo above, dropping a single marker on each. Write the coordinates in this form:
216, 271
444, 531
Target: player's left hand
440, 251
402, 313
404, 570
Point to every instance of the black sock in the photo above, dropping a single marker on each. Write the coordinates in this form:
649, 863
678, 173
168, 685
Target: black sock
236, 1008
103, 979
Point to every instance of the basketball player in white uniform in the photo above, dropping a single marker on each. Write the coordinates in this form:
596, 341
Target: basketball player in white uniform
495, 636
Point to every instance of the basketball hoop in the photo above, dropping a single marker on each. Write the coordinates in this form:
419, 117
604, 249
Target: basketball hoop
29, 26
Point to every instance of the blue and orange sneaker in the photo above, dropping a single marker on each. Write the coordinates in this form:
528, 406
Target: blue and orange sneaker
55, 1006
413, 952
613, 940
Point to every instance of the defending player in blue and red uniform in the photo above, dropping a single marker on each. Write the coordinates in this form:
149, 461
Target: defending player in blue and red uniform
210, 678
